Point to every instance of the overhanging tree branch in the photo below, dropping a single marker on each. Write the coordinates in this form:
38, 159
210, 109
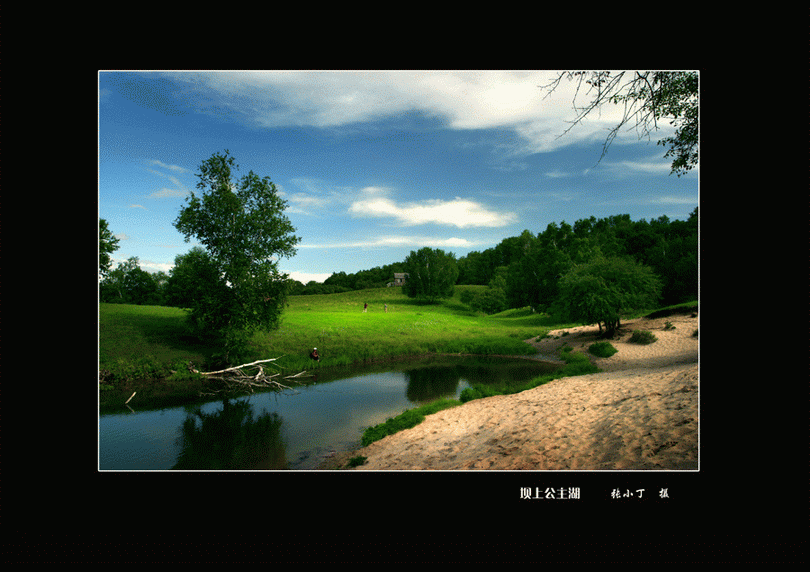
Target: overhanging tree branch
646, 98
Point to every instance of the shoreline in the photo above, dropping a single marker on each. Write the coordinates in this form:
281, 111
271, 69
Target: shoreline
640, 412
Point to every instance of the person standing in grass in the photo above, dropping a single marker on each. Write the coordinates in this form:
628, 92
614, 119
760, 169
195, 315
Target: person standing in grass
365, 307
314, 354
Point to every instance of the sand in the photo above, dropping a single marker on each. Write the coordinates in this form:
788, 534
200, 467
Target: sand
639, 413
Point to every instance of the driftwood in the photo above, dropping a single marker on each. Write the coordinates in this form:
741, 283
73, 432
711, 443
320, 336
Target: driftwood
238, 377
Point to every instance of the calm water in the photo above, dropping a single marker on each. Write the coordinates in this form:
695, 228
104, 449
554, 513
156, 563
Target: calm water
292, 429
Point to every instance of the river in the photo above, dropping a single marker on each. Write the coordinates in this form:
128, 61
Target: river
293, 429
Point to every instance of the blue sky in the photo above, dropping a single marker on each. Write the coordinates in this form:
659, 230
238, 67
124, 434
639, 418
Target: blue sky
373, 164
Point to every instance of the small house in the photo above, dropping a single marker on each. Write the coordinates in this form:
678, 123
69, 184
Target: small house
399, 279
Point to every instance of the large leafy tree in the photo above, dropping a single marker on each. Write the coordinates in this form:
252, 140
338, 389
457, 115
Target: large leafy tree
432, 274
241, 224
603, 289
647, 98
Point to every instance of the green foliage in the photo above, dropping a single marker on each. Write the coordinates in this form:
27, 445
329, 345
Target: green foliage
602, 290
536, 262
241, 224
643, 337
195, 275
357, 461
479, 391
432, 274
491, 300
129, 284
602, 349
107, 244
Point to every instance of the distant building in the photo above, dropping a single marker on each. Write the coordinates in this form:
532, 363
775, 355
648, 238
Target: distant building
399, 279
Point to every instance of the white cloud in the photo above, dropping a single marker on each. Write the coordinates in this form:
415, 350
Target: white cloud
398, 241
655, 166
150, 266
513, 100
174, 168
316, 196
167, 192
179, 189
461, 213
305, 277
675, 201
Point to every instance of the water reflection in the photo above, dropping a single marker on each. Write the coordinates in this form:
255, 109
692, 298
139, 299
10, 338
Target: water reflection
231, 439
293, 429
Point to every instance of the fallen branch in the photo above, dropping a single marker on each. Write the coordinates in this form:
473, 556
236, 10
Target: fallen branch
237, 378
235, 368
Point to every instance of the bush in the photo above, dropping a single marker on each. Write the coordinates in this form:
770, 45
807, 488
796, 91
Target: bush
478, 391
490, 301
642, 337
602, 349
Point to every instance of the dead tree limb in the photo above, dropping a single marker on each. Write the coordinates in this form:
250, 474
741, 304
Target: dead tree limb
237, 378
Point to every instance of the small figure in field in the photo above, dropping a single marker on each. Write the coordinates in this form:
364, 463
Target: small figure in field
386, 308
314, 354
365, 307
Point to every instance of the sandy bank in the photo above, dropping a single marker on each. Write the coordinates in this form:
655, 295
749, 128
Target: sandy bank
639, 413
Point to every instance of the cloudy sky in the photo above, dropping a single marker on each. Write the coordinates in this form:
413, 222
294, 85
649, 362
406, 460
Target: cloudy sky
373, 164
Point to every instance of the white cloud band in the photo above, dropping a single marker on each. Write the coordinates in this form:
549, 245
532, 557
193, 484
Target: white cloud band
461, 213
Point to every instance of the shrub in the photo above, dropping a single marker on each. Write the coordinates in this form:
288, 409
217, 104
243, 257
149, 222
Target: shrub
478, 391
642, 337
602, 349
357, 461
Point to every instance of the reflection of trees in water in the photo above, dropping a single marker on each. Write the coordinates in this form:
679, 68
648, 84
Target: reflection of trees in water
426, 384
437, 381
231, 439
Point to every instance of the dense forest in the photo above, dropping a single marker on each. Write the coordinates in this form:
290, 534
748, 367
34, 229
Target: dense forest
520, 271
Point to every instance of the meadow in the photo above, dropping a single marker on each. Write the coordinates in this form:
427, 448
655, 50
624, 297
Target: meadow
344, 333
146, 348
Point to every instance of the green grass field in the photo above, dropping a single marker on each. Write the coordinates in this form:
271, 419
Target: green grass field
343, 333
144, 337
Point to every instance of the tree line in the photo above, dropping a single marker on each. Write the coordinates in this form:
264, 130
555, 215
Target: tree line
520, 271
